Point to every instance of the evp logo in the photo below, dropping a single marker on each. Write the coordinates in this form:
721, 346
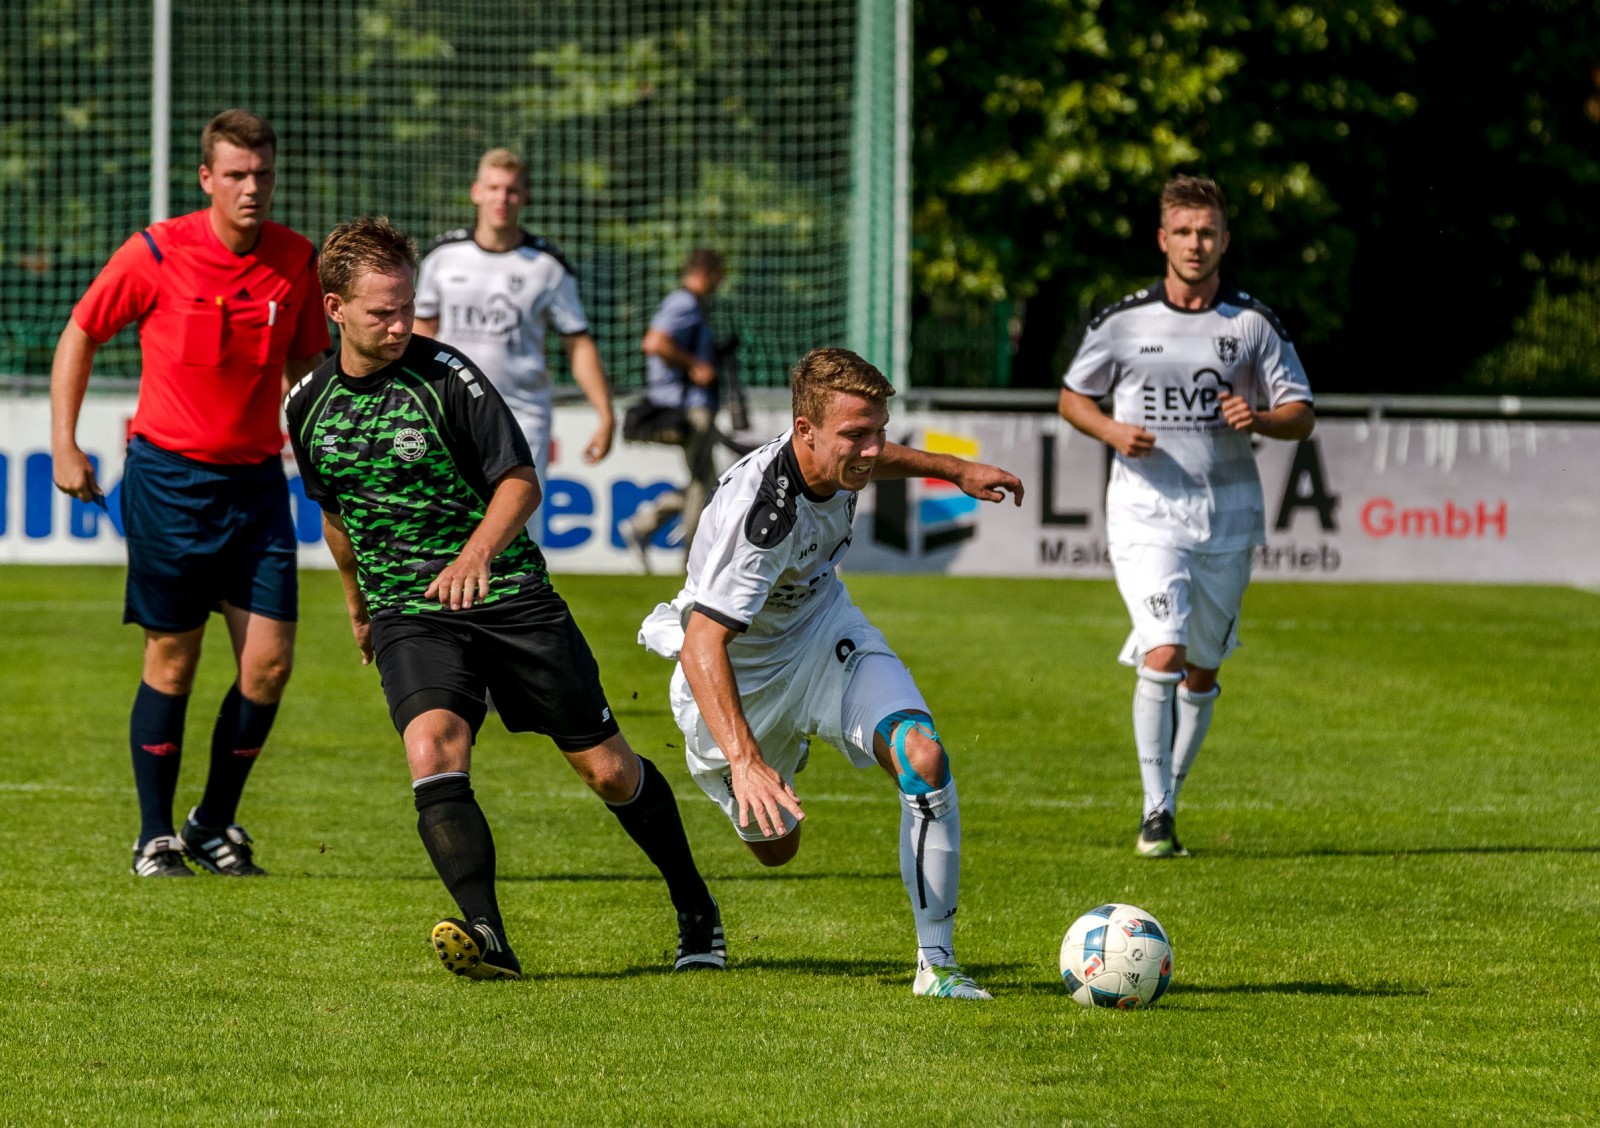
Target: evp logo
926, 514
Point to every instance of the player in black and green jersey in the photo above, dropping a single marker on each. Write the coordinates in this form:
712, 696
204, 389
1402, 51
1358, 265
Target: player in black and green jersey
426, 485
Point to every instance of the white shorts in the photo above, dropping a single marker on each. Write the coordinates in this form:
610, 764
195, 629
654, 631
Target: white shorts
1181, 598
839, 690
533, 420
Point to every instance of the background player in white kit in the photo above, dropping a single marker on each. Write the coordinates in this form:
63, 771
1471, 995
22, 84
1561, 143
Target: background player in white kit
493, 291
772, 651
1194, 368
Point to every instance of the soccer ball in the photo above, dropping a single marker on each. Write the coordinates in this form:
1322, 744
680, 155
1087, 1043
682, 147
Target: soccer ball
1116, 956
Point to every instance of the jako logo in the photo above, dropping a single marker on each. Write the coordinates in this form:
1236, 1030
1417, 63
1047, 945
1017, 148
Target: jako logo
926, 514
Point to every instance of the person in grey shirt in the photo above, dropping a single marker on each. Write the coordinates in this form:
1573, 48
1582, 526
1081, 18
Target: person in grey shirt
680, 373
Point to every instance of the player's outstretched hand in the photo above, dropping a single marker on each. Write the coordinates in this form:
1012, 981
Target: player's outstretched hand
989, 483
1236, 411
763, 795
462, 584
74, 475
599, 446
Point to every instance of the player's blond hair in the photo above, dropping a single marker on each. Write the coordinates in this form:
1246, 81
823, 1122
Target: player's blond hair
368, 245
823, 373
236, 127
504, 159
1193, 192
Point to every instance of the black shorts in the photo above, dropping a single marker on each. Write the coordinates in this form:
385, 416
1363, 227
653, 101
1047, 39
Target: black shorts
527, 651
199, 535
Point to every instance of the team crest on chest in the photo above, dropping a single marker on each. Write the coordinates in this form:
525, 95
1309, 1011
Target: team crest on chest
1227, 348
514, 282
410, 444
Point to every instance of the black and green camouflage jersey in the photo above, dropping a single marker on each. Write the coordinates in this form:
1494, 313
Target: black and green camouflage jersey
407, 458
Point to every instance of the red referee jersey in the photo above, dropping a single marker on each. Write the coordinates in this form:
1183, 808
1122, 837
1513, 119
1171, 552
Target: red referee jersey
215, 329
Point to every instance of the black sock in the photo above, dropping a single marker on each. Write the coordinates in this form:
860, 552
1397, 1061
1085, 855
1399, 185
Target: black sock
457, 836
241, 729
651, 819
155, 735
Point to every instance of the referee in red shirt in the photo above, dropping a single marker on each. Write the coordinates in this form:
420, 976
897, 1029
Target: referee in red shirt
230, 314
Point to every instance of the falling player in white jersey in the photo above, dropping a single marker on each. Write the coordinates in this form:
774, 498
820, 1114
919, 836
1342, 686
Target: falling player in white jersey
1195, 368
772, 652
493, 290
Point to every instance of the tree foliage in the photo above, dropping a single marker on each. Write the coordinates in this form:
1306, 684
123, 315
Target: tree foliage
1388, 163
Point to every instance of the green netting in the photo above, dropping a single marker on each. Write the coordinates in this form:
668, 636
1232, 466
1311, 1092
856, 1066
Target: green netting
74, 165
649, 127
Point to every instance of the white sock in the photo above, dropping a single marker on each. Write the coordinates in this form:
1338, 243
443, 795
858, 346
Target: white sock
930, 867
1194, 718
1153, 724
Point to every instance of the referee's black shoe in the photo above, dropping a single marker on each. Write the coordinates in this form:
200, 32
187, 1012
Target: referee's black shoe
162, 856
477, 950
224, 850
701, 946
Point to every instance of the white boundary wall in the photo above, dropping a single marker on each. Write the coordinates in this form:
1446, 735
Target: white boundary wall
1439, 500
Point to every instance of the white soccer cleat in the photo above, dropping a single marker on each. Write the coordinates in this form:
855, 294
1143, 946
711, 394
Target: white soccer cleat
637, 541
1157, 838
945, 982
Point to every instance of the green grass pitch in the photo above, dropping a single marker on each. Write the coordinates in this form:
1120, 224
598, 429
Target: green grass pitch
1390, 914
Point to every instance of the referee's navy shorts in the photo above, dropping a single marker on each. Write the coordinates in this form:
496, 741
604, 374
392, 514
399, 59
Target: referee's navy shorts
526, 650
200, 535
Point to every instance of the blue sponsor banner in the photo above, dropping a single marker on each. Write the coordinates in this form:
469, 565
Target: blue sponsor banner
1492, 501
578, 518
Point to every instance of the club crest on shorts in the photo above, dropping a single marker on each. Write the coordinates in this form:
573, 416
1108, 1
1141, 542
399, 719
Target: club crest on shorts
410, 444
1160, 605
1227, 348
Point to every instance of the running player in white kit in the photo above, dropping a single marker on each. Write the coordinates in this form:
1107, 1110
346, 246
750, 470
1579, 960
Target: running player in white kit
493, 291
772, 652
1195, 368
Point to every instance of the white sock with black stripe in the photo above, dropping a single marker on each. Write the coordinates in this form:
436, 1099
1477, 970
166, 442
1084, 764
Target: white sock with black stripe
930, 867
1193, 719
1153, 724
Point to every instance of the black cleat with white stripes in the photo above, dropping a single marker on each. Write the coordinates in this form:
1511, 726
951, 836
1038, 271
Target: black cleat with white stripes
701, 945
222, 850
477, 950
162, 856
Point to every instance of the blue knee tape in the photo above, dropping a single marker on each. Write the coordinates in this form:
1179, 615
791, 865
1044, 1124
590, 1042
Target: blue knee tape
895, 729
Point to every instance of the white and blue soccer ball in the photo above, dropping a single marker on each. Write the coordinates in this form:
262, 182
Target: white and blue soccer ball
1116, 956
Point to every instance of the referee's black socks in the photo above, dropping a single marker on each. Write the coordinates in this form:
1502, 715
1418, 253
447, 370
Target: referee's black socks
651, 819
456, 834
155, 734
236, 739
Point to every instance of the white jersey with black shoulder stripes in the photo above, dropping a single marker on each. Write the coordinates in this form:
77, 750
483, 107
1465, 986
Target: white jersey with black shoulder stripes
765, 561
496, 307
1165, 369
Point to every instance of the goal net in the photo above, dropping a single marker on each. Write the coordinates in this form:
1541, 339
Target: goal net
649, 127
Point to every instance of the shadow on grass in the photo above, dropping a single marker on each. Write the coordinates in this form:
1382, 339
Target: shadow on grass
881, 970
609, 878
890, 973
710, 878
1052, 986
1419, 851
1301, 987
